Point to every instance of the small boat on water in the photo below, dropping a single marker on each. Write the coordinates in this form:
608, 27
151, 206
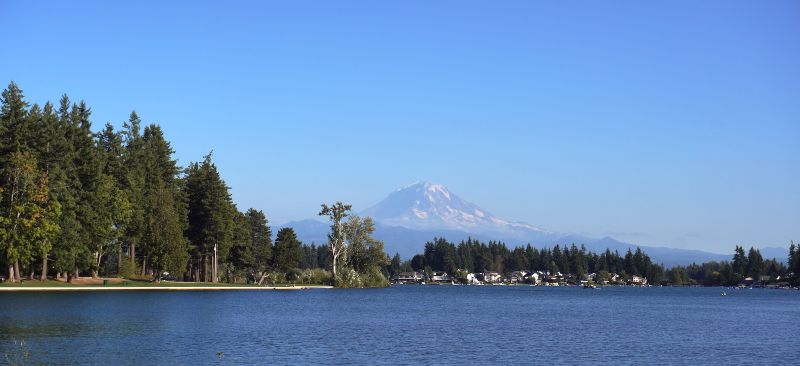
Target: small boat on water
589, 287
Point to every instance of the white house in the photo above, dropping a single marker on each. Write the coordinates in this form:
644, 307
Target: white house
491, 277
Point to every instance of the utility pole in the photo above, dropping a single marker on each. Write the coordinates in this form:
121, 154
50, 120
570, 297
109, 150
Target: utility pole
214, 266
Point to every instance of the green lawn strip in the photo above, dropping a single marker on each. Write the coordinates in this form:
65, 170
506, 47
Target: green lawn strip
135, 283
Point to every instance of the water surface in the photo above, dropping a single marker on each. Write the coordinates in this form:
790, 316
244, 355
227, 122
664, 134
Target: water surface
409, 324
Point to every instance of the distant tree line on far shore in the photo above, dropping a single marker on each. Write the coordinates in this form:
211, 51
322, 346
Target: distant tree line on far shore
472, 255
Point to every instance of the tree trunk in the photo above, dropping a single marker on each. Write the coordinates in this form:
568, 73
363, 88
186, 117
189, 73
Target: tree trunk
43, 277
94, 273
18, 275
11, 273
119, 259
144, 265
69, 276
335, 257
133, 255
30, 271
76, 274
203, 270
214, 268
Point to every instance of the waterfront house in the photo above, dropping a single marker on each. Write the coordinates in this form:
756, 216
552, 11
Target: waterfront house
441, 277
409, 277
534, 278
472, 279
518, 276
491, 277
638, 281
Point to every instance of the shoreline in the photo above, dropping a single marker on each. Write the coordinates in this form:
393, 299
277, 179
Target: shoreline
160, 288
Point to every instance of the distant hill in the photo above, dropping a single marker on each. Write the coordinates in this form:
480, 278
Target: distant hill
412, 215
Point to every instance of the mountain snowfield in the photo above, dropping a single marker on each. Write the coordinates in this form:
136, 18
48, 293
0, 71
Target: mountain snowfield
428, 206
416, 213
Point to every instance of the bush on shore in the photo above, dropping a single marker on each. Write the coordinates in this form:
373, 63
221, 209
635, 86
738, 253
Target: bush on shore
349, 278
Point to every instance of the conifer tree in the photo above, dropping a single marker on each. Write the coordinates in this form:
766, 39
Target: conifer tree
133, 183
210, 214
161, 189
287, 252
260, 239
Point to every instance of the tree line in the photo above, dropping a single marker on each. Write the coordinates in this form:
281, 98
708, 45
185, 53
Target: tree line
115, 202
472, 256
741, 267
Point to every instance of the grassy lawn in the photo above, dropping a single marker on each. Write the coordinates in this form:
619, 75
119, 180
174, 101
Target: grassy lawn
127, 283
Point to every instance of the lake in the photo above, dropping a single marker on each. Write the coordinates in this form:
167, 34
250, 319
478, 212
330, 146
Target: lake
406, 325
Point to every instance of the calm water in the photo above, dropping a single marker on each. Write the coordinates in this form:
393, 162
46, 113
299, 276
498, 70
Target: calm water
407, 325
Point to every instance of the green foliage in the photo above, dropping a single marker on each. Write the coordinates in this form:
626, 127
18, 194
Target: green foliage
348, 278
274, 278
127, 269
167, 248
80, 197
260, 239
336, 238
315, 276
211, 212
364, 252
373, 277
28, 217
287, 252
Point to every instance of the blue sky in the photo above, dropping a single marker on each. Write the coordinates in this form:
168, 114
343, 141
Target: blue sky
672, 123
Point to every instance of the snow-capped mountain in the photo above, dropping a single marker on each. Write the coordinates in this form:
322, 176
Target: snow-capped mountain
428, 206
417, 213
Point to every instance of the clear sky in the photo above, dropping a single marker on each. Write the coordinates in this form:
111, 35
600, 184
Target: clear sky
673, 123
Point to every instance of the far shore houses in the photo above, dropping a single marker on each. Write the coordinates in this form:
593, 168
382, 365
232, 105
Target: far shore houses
537, 278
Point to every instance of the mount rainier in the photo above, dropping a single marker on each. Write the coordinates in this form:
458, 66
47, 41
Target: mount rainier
416, 213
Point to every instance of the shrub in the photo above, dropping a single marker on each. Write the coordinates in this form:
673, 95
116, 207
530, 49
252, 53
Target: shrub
274, 278
127, 269
316, 276
374, 278
348, 278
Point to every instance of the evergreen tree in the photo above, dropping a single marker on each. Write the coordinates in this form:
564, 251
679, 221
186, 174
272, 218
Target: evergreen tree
739, 265
210, 214
133, 184
166, 247
13, 123
260, 239
287, 253
161, 187
755, 264
394, 266
241, 257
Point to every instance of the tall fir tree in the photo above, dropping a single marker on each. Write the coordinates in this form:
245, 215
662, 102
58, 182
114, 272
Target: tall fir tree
210, 216
287, 252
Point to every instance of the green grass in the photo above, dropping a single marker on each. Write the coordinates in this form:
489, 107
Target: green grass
130, 283
35, 283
